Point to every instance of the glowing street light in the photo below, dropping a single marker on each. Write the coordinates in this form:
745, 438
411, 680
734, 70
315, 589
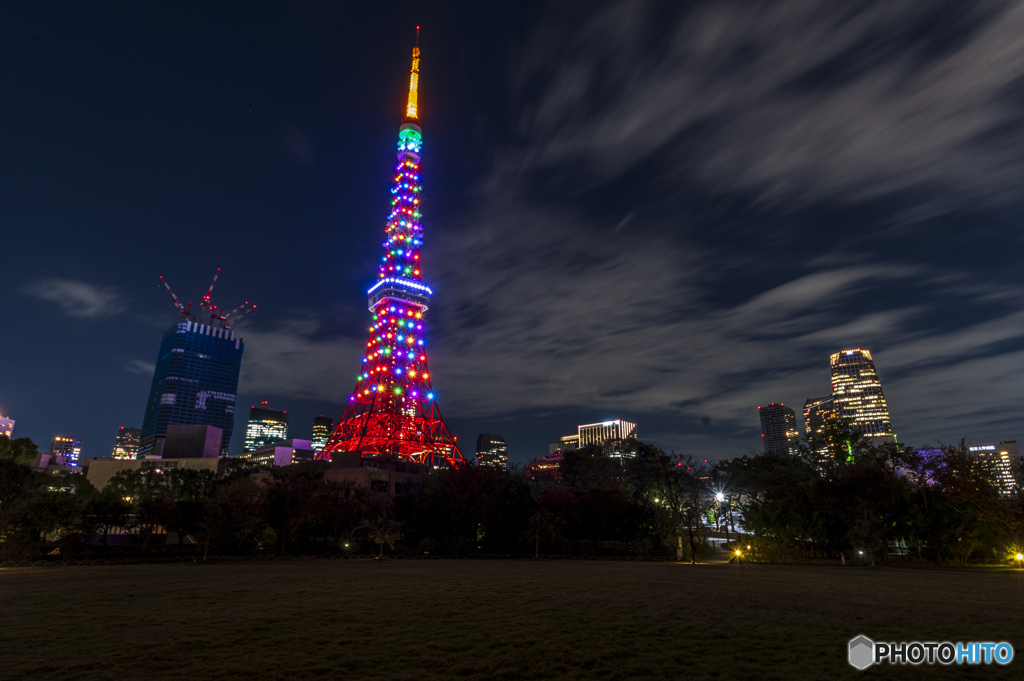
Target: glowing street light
719, 497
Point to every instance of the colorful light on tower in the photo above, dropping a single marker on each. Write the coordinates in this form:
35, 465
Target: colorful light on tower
392, 410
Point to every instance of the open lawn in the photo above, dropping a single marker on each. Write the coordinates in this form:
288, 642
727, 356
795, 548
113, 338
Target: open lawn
485, 619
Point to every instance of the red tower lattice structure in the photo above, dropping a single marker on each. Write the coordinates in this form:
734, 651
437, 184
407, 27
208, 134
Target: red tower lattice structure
392, 410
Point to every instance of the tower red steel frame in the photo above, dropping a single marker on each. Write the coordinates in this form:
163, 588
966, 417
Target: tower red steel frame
392, 410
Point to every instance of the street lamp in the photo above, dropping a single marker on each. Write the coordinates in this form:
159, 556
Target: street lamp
719, 497
1020, 558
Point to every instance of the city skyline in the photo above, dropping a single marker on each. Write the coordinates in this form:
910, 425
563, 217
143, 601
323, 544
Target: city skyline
650, 252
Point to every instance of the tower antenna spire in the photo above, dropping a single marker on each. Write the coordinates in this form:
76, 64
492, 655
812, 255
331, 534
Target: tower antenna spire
412, 107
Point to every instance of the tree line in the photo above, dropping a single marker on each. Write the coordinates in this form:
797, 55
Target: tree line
838, 497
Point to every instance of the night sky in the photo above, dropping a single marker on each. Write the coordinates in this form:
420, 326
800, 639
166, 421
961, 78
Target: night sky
665, 212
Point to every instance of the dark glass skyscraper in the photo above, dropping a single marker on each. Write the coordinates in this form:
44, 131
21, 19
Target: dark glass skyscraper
195, 382
778, 428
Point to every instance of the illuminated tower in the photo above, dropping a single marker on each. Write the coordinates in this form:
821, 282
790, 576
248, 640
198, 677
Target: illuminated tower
857, 395
392, 411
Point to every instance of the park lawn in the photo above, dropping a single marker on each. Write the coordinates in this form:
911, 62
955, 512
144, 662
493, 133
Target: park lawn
490, 619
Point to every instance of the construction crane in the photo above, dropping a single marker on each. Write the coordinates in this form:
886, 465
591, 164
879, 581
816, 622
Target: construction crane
185, 311
216, 316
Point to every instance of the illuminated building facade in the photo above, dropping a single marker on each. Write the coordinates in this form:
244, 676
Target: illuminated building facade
68, 447
126, 444
323, 426
195, 382
491, 451
266, 426
778, 429
818, 412
393, 410
545, 467
1000, 458
6, 426
568, 443
602, 433
283, 453
857, 395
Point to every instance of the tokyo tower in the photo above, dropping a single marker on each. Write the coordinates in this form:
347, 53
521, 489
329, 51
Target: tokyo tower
393, 410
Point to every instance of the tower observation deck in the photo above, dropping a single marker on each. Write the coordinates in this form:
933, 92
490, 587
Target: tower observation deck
393, 410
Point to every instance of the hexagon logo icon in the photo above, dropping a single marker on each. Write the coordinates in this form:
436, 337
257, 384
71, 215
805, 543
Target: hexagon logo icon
862, 652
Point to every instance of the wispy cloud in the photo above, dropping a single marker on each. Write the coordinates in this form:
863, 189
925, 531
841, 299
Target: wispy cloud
137, 366
792, 101
77, 298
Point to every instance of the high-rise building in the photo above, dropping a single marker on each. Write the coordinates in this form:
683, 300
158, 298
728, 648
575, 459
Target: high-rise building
195, 382
266, 426
818, 412
1001, 458
68, 447
126, 444
491, 451
778, 428
601, 433
323, 426
857, 395
6, 426
393, 410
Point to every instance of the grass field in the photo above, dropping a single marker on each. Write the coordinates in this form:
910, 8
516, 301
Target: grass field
486, 619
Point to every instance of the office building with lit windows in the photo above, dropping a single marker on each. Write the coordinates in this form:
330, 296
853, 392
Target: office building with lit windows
857, 394
195, 382
266, 426
778, 429
6, 426
602, 433
818, 412
491, 451
283, 453
1001, 458
323, 426
68, 447
126, 444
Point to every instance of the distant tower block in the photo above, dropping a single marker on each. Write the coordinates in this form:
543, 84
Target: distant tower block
126, 444
491, 451
323, 426
67, 446
266, 426
393, 410
778, 429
